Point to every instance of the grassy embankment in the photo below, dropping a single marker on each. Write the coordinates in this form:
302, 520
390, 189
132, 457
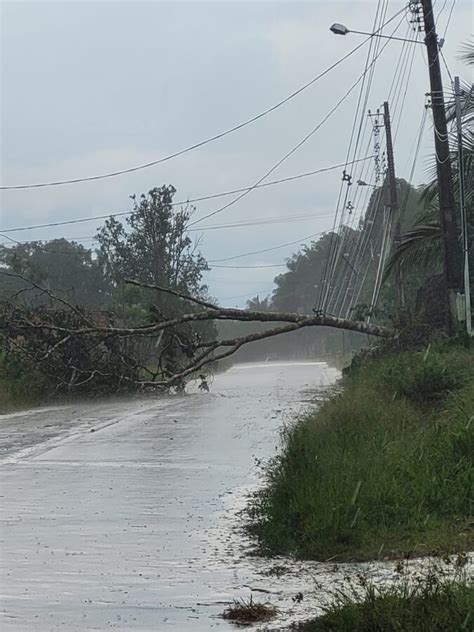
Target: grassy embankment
382, 469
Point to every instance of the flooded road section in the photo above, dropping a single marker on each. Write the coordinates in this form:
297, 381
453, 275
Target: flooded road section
123, 515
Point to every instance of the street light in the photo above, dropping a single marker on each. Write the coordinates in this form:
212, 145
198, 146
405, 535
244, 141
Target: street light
341, 29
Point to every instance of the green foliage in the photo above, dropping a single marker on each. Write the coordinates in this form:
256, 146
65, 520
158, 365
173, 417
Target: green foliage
64, 267
426, 377
15, 392
421, 243
52, 363
298, 289
349, 260
431, 604
376, 471
155, 248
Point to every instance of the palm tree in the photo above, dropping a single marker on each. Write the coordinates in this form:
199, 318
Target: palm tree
422, 244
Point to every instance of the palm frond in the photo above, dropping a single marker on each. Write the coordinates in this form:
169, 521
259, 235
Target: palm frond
420, 247
467, 52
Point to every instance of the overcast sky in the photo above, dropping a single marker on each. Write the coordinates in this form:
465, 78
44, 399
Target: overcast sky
93, 87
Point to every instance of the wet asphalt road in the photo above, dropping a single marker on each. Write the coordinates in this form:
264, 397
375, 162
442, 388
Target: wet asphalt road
122, 515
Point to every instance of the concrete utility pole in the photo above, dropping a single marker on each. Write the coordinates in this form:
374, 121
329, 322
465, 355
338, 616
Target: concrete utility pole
449, 233
462, 204
394, 207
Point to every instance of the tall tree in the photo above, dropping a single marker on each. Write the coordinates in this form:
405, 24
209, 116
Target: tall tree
64, 266
155, 249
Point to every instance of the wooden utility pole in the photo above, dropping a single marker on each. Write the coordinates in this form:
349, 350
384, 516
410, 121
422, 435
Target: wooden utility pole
394, 206
462, 204
449, 233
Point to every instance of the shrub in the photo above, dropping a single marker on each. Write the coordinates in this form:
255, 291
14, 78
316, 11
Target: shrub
429, 604
370, 474
426, 377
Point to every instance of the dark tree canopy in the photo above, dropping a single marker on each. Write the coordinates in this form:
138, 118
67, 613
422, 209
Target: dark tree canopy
63, 266
154, 247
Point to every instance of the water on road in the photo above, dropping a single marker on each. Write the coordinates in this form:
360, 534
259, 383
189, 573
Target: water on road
123, 515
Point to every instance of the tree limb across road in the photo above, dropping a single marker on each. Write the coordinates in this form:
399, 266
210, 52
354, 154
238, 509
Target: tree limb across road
198, 350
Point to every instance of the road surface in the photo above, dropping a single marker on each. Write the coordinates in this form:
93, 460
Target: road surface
124, 515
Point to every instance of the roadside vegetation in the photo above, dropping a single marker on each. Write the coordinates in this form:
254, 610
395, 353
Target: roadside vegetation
14, 394
383, 469
245, 612
428, 604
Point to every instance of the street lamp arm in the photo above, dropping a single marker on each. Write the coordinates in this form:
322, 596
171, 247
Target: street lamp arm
341, 29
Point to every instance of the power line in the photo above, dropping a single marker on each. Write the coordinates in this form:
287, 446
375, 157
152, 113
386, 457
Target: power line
257, 252
11, 239
446, 66
449, 18
211, 139
256, 222
408, 77
274, 265
384, 250
183, 202
263, 222
294, 149
336, 246
441, 10
330, 259
415, 148
402, 75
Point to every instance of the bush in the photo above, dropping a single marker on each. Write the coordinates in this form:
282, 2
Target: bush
15, 393
372, 474
36, 352
426, 377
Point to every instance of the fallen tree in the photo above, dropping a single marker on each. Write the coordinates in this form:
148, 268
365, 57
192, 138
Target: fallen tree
51, 339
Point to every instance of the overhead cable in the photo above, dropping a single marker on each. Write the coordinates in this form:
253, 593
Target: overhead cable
206, 141
182, 202
257, 252
299, 144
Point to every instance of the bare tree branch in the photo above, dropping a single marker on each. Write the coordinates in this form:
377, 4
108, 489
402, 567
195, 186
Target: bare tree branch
56, 346
227, 314
168, 290
23, 325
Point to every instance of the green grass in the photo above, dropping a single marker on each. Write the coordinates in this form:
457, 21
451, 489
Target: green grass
383, 469
17, 390
14, 395
432, 606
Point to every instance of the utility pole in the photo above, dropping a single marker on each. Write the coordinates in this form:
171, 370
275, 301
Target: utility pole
449, 234
462, 204
394, 207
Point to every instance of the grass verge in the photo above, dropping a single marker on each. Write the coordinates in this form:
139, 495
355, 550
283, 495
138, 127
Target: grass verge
431, 605
381, 470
